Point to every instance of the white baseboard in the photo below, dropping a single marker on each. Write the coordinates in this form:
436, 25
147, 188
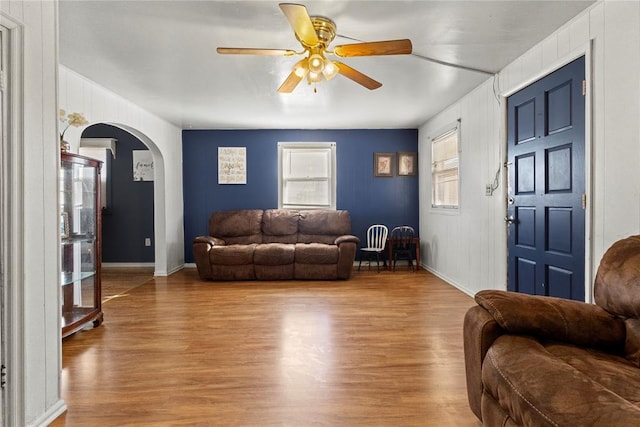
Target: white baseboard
128, 264
190, 265
173, 270
50, 415
450, 281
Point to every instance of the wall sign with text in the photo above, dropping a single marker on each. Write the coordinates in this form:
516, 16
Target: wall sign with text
232, 165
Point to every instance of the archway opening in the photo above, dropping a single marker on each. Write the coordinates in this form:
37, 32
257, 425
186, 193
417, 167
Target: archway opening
133, 215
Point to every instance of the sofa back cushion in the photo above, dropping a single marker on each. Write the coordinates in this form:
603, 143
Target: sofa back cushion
241, 227
323, 226
280, 226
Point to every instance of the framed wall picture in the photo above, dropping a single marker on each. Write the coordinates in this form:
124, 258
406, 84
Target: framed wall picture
142, 165
407, 163
383, 164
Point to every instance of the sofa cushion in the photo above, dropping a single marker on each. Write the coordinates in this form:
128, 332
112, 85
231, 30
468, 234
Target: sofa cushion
323, 226
239, 227
274, 254
316, 253
560, 384
232, 255
280, 226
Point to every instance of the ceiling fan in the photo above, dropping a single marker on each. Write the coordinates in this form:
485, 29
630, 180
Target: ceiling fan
316, 33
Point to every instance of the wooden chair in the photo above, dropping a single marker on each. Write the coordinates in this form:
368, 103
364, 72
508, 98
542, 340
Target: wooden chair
402, 244
376, 241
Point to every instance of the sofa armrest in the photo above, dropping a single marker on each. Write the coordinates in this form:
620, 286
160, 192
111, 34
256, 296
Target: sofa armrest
213, 241
347, 238
201, 247
558, 319
347, 245
480, 330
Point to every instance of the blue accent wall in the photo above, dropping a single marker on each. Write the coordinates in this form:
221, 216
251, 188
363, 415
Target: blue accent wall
128, 219
370, 200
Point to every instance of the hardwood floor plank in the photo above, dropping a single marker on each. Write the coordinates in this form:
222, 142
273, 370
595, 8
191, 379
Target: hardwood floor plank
380, 349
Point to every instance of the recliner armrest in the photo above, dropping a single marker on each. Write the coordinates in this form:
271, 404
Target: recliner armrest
480, 330
347, 238
556, 319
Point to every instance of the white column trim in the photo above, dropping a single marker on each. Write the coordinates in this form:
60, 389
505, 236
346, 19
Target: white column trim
13, 237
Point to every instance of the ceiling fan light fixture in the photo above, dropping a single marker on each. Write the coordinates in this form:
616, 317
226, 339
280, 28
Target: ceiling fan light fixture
330, 69
314, 77
316, 63
301, 68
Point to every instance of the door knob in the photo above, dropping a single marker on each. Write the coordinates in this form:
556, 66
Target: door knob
510, 219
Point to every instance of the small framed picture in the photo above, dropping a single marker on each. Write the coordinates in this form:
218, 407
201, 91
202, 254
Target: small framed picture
407, 163
64, 225
383, 164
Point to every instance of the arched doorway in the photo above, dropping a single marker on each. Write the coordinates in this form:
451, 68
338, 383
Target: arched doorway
133, 218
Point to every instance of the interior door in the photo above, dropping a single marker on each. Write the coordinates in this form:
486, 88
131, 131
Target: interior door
546, 200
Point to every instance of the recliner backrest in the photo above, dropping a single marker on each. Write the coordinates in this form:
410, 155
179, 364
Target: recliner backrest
617, 290
617, 284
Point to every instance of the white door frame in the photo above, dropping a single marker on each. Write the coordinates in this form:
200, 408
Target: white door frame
12, 234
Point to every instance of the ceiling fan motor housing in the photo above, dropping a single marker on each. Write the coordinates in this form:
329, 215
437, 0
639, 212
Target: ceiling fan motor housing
325, 30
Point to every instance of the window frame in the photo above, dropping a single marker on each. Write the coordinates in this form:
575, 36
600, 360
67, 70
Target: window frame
445, 132
331, 180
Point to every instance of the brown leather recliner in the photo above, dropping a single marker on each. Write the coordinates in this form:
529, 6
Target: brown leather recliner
276, 244
538, 361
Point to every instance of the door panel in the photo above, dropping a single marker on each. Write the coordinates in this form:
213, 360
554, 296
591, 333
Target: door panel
545, 125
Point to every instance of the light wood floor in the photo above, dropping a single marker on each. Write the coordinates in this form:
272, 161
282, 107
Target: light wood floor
378, 350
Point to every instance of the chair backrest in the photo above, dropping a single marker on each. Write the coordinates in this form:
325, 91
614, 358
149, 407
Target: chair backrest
377, 236
402, 236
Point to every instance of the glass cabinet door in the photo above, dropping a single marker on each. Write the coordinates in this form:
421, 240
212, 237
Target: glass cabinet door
79, 242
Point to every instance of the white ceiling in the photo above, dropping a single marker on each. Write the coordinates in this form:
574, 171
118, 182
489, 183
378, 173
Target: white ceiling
161, 55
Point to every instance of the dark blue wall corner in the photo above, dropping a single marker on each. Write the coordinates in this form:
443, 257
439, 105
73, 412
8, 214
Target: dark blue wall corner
128, 219
370, 200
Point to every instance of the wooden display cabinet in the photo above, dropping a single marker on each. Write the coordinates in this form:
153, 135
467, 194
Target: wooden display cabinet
80, 242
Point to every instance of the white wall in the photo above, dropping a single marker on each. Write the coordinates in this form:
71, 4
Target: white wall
469, 248
34, 306
99, 105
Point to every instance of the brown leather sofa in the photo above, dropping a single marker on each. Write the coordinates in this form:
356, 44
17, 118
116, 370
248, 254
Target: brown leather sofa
276, 244
542, 361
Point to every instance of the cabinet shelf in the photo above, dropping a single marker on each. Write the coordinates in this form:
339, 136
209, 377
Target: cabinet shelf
69, 278
77, 239
80, 243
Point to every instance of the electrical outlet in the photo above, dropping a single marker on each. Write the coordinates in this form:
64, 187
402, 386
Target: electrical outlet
147, 241
488, 190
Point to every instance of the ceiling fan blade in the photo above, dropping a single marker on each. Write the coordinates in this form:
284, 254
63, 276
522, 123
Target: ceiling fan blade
290, 83
388, 47
301, 23
254, 51
357, 76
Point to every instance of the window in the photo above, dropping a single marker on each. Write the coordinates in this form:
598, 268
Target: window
445, 171
307, 175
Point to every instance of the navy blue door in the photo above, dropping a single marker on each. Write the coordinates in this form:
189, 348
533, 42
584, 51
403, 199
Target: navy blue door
545, 215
